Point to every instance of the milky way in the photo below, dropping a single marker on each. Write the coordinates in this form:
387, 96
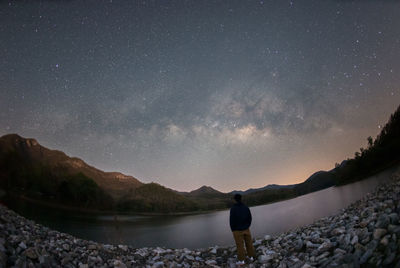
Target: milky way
231, 94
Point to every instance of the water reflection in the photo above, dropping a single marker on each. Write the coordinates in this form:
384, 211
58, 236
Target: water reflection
196, 231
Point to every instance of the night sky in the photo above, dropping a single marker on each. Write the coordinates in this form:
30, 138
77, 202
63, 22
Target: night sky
231, 94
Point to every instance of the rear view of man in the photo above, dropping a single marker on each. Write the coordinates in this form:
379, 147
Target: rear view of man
240, 221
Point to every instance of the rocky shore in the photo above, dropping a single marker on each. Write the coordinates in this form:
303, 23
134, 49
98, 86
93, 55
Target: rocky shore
366, 234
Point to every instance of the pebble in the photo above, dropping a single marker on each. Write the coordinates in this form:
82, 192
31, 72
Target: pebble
65, 247
264, 258
378, 233
22, 245
30, 253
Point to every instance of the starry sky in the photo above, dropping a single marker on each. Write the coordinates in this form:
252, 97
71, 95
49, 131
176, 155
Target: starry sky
231, 94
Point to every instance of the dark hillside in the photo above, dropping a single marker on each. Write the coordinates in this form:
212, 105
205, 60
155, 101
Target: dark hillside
380, 153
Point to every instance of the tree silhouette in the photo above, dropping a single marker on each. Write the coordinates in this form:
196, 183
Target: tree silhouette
380, 154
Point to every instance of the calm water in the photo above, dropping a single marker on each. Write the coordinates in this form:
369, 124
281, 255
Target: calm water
197, 231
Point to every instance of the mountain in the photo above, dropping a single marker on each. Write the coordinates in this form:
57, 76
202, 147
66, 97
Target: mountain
317, 181
32, 170
273, 193
153, 197
203, 191
269, 186
115, 183
207, 198
29, 169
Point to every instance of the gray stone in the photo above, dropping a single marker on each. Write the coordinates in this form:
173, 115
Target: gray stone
299, 244
68, 258
394, 218
22, 245
123, 247
65, 247
378, 233
108, 247
30, 253
389, 259
385, 241
394, 228
309, 244
383, 221
189, 257
159, 264
322, 256
354, 240
327, 245
338, 231
366, 256
211, 262
264, 258
340, 251
267, 237
282, 264
92, 247
119, 264
257, 242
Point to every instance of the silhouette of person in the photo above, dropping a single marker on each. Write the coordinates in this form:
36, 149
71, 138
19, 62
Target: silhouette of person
240, 221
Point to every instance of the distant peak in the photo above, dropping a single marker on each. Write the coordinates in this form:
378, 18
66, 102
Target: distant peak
204, 189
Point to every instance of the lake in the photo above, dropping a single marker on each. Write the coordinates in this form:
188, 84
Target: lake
203, 230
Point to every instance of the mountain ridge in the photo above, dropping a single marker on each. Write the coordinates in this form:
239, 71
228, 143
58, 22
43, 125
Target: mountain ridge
129, 192
58, 159
26, 167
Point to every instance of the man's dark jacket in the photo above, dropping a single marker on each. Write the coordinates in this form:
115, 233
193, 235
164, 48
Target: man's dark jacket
240, 217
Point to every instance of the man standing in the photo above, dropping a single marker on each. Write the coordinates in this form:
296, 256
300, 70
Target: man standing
240, 221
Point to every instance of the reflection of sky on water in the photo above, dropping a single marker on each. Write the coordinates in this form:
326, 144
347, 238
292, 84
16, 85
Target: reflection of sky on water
122, 218
203, 230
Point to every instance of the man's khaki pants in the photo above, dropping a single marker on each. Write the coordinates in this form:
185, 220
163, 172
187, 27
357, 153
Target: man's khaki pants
243, 237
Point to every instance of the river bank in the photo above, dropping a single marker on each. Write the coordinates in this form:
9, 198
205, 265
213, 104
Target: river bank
366, 233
